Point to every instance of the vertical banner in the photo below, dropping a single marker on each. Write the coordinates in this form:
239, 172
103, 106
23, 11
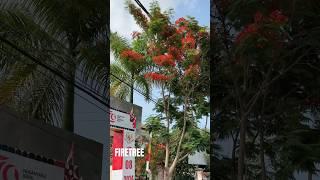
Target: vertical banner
129, 162
117, 161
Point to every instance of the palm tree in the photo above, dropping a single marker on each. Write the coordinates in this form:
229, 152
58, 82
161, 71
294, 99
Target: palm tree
69, 36
126, 77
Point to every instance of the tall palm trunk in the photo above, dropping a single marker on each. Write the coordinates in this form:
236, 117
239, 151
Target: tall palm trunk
233, 157
262, 160
243, 127
132, 88
68, 109
309, 175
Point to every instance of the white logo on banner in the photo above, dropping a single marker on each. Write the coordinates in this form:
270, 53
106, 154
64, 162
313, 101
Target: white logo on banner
120, 119
16, 167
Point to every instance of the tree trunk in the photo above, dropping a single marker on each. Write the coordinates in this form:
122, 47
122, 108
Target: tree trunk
169, 174
262, 160
68, 108
233, 157
309, 175
167, 141
234, 162
243, 127
168, 177
131, 94
205, 127
131, 88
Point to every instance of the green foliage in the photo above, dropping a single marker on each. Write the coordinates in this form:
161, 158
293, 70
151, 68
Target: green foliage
68, 37
266, 80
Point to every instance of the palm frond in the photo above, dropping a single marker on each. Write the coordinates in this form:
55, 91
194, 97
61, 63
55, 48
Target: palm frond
118, 44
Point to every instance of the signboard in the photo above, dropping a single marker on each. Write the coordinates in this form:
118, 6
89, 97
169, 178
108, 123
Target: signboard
16, 167
129, 162
126, 123
121, 120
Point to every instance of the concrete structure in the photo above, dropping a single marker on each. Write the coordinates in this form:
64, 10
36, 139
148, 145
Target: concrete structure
54, 143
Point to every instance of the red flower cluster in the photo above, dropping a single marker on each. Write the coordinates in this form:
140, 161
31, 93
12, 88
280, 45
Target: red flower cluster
258, 17
192, 70
278, 17
156, 76
250, 29
182, 29
182, 25
188, 42
161, 146
176, 53
275, 16
164, 60
131, 55
181, 21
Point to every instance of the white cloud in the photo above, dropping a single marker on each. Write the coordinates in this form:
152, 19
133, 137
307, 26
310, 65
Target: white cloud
120, 19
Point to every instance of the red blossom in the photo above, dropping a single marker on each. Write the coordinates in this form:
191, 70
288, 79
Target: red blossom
164, 60
131, 55
247, 31
278, 17
176, 53
188, 42
157, 76
161, 146
182, 29
180, 21
258, 17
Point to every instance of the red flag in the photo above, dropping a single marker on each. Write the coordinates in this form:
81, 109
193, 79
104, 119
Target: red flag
133, 118
71, 171
117, 143
148, 156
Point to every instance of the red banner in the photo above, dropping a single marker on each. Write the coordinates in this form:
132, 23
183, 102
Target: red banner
117, 143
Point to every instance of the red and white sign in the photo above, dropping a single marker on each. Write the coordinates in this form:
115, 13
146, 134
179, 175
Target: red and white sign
123, 167
129, 162
16, 167
121, 119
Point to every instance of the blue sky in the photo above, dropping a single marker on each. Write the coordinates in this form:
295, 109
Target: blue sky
122, 22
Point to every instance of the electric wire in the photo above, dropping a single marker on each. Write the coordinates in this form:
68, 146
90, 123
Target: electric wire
142, 7
130, 86
57, 73
52, 70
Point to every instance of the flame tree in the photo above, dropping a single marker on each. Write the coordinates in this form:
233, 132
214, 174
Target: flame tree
173, 57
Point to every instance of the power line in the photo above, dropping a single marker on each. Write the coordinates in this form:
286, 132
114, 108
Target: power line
86, 99
52, 70
142, 7
143, 94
